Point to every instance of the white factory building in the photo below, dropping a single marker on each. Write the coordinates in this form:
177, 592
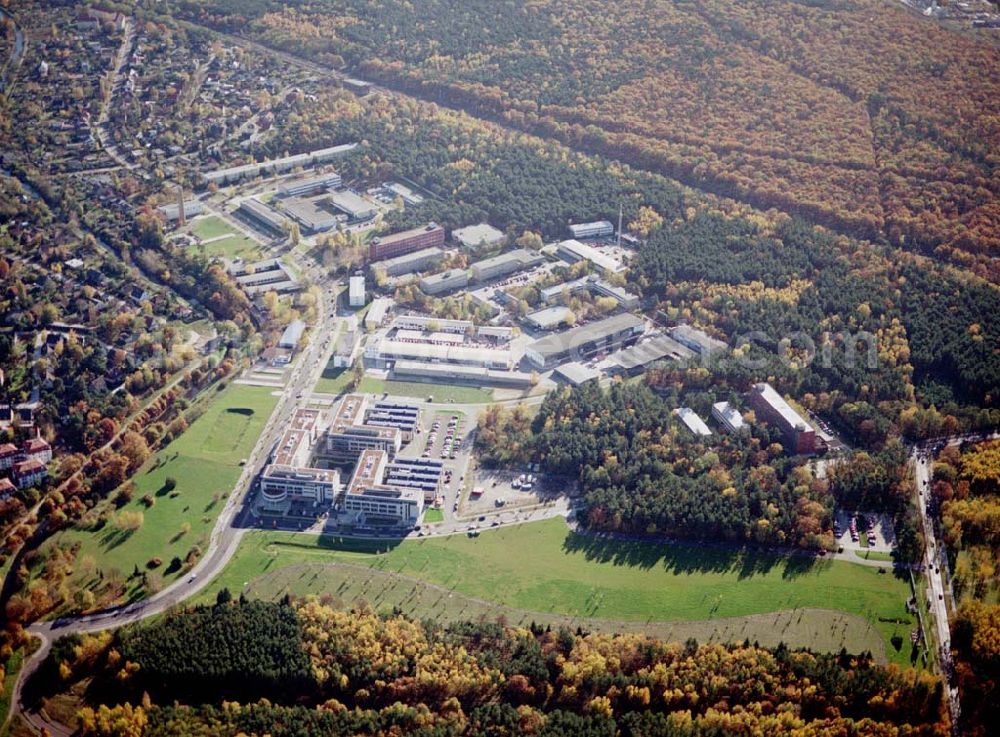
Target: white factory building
598, 229
693, 422
573, 250
356, 291
475, 237
729, 417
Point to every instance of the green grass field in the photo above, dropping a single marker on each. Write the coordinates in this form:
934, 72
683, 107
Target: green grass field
544, 570
820, 629
211, 226
234, 246
440, 392
333, 380
204, 461
432, 515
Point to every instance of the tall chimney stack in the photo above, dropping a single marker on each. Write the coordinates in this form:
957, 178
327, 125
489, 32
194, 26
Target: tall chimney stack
181, 220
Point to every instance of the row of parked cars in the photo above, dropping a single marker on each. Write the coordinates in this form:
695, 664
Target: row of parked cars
524, 482
451, 441
852, 527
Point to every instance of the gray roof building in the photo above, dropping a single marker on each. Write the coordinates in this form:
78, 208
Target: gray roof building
263, 216
506, 263
549, 318
584, 341
354, 206
409, 263
482, 235
698, 340
575, 373
292, 335
311, 214
634, 359
446, 281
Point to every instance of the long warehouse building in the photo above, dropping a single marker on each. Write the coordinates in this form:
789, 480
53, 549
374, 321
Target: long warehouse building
584, 341
234, 174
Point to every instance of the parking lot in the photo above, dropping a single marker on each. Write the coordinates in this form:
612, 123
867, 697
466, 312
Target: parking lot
873, 532
444, 435
505, 489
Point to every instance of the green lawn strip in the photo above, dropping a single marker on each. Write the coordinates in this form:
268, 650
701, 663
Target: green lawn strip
440, 392
204, 461
211, 227
873, 555
11, 668
432, 515
544, 568
930, 633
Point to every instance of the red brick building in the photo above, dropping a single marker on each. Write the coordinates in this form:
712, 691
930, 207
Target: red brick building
408, 241
769, 406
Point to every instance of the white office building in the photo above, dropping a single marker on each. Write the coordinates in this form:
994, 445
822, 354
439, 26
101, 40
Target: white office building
478, 236
572, 251
729, 417
370, 499
598, 229
309, 185
356, 291
693, 422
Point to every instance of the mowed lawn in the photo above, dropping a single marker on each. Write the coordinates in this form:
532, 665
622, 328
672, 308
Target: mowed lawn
544, 567
333, 380
211, 226
440, 392
205, 463
232, 247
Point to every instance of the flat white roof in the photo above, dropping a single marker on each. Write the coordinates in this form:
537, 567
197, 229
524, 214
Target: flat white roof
779, 405
379, 307
351, 203
549, 317
694, 423
473, 235
728, 415
589, 253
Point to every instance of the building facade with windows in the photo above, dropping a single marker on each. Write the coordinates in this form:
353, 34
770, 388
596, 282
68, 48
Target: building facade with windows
407, 241
369, 498
584, 341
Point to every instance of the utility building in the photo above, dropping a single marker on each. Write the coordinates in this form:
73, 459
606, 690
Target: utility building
356, 291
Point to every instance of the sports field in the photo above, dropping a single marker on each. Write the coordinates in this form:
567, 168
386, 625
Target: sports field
204, 462
233, 246
210, 227
542, 570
